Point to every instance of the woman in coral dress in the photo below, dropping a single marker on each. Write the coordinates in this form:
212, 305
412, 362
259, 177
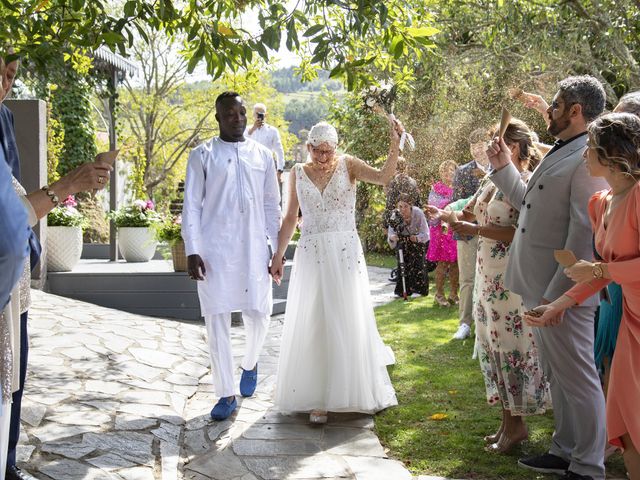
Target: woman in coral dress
443, 249
613, 153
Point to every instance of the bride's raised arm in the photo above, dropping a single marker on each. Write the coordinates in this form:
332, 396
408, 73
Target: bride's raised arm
360, 170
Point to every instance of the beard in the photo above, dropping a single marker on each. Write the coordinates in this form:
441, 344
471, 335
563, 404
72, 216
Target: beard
558, 125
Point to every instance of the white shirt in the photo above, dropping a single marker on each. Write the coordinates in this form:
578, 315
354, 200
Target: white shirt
269, 136
230, 214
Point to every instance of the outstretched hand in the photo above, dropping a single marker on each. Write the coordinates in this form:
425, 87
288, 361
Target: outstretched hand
195, 267
533, 101
465, 228
90, 176
434, 213
544, 316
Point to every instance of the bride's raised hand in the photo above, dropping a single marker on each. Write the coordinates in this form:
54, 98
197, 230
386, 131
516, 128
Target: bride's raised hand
397, 129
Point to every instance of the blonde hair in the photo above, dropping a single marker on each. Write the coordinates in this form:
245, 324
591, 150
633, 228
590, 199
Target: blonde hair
519, 133
447, 164
616, 139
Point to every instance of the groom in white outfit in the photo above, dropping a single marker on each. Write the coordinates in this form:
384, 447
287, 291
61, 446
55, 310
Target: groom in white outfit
230, 217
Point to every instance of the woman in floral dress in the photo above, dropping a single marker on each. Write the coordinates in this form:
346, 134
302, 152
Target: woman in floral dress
442, 247
505, 345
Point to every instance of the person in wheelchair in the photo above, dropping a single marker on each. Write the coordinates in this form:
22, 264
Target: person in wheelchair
408, 234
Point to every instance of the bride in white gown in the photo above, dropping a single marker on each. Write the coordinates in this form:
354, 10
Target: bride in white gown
332, 357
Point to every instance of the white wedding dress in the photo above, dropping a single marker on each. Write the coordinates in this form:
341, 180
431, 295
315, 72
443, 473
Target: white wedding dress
332, 357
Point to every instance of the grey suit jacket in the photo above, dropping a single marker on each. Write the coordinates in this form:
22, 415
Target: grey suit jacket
553, 215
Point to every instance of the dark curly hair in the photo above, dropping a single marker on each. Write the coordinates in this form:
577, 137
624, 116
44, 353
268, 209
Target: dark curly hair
616, 139
585, 90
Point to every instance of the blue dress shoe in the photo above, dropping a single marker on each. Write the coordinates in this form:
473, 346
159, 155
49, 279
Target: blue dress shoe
224, 408
248, 381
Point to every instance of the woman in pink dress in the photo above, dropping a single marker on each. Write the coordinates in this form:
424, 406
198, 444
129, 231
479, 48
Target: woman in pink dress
613, 153
442, 247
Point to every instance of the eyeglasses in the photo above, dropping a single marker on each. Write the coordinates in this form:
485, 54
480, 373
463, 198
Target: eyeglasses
319, 151
555, 104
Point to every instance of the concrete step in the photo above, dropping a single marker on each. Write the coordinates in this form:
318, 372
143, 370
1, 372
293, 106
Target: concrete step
150, 289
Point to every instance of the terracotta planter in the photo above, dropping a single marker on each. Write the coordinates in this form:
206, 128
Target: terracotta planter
64, 248
137, 244
179, 257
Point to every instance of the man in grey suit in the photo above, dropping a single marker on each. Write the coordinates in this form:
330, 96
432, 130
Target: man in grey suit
553, 215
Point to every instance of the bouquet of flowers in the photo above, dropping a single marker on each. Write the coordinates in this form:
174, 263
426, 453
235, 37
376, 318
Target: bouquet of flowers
66, 215
141, 213
381, 100
170, 230
383, 97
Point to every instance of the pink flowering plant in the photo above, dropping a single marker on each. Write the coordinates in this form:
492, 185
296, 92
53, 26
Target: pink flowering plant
66, 215
170, 230
141, 213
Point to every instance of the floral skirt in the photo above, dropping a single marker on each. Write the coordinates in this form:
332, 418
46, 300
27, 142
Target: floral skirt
505, 346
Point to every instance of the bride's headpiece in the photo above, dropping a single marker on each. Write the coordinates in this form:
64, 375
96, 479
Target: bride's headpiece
323, 132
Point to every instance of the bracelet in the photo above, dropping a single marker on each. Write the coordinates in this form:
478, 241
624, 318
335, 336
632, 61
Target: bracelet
51, 194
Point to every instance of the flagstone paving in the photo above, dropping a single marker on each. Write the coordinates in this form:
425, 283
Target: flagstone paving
113, 395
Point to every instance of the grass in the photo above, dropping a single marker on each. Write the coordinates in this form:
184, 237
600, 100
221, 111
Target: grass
380, 260
436, 375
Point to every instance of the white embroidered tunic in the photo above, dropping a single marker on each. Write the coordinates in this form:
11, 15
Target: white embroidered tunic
230, 215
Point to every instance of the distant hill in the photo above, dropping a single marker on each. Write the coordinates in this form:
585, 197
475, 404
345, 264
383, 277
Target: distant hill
285, 80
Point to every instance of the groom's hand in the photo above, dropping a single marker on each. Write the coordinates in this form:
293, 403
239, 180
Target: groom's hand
195, 267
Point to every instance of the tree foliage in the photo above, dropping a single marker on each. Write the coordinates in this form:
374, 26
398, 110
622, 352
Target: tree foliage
163, 117
345, 37
484, 48
71, 107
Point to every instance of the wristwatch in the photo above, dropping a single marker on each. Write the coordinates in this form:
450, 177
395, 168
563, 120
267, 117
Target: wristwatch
597, 270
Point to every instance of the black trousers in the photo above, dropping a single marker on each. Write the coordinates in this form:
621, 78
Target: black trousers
14, 427
416, 278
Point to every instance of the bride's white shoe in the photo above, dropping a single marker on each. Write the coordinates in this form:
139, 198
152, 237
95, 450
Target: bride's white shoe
318, 416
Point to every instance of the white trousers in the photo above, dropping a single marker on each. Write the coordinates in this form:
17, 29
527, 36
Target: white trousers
5, 420
256, 325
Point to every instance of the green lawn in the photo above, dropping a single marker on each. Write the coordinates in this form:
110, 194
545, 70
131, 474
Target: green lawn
436, 375
380, 260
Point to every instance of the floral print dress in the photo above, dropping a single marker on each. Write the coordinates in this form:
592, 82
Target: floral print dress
505, 346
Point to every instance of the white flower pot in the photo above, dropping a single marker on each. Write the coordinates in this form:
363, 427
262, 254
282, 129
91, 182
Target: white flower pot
64, 248
137, 244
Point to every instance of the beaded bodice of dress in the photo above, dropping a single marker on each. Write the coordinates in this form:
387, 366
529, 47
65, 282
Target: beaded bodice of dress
25, 279
332, 210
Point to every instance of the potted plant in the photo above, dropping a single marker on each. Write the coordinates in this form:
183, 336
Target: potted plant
136, 230
170, 231
64, 236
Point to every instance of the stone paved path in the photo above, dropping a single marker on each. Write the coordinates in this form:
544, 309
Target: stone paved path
112, 395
